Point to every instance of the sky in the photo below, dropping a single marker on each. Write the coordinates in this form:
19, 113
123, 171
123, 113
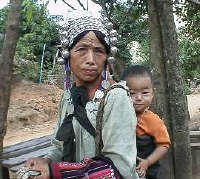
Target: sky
60, 8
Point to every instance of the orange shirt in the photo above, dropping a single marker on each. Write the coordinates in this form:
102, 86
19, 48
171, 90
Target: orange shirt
151, 125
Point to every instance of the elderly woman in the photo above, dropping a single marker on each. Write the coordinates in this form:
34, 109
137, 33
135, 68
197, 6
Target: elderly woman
75, 137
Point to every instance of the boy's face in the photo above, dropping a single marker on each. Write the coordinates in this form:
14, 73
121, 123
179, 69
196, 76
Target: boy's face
141, 92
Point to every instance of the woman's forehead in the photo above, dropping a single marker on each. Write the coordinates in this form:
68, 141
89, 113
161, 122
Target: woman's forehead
89, 39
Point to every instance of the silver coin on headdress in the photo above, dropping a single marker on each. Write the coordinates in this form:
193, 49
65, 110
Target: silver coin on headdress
60, 61
113, 50
65, 53
113, 33
113, 40
111, 59
105, 84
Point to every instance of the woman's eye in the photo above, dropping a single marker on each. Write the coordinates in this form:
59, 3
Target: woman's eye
99, 50
81, 49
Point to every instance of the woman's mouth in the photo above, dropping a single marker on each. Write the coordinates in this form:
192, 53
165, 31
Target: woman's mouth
90, 71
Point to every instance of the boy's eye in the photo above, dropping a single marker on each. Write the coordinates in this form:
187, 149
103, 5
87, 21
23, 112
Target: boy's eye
145, 92
132, 93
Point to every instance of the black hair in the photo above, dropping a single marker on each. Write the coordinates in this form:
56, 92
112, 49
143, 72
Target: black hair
135, 71
98, 34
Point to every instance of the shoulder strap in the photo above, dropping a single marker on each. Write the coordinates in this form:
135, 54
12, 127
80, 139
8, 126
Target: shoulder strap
99, 120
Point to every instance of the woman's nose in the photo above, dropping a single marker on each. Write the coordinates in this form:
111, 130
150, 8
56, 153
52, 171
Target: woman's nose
90, 58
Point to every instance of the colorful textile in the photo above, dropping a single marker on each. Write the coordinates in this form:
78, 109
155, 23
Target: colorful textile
86, 169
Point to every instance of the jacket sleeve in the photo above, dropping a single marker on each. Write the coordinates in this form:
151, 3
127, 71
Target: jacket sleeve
119, 132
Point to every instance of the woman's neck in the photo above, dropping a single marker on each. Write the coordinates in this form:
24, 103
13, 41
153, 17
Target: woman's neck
92, 86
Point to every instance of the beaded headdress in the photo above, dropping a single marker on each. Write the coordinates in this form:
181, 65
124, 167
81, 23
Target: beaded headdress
78, 22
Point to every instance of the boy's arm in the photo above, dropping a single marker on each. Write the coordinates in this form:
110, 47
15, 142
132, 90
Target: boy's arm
156, 155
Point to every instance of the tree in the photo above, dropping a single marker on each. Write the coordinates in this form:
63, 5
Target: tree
169, 96
6, 63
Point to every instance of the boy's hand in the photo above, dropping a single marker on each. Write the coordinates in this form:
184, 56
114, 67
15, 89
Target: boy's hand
142, 167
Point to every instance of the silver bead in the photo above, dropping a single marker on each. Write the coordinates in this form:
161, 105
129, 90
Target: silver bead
111, 59
65, 53
113, 50
65, 42
113, 33
60, 61
105, 84
110, 25
113, 40
105, 18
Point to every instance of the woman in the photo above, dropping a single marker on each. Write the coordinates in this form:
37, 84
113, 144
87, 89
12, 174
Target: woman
74, 138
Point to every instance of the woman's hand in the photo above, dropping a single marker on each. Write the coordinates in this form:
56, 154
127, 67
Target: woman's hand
39, 164
142, 167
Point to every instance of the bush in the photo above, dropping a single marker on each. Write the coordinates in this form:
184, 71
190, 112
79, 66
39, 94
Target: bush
29, 70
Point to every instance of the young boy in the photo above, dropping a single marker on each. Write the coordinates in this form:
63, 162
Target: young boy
152, 137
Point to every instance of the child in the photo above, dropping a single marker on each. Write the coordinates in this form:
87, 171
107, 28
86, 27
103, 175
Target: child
152, 136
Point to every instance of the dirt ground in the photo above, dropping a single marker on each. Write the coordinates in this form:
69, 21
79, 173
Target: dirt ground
32, 111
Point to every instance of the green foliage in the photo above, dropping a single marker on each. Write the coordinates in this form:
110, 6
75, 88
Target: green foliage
189, 53
3, 19
37, 28
28, 69
189, 14
189, 39
129, 19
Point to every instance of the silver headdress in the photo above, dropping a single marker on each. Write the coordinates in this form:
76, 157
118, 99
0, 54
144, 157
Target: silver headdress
78, 22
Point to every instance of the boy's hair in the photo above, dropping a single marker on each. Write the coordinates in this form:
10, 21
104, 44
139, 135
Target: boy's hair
135, 71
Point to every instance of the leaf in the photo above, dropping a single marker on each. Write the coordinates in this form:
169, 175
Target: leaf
29, 14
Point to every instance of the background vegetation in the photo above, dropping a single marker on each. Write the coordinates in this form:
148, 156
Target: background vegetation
130, 20
37, 28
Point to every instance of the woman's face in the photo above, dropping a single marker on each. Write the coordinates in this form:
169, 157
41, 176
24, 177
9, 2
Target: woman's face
87, 59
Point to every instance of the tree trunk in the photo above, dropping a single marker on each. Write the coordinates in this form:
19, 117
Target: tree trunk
6, 64
169, 101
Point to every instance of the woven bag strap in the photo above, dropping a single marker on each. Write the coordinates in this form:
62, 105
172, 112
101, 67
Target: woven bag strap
99, 119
